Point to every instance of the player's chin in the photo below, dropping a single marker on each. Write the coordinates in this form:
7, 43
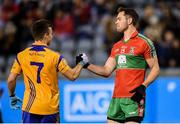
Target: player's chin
119, 30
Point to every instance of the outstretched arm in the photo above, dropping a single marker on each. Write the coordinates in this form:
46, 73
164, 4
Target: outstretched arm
105, 70
154, 70
72, 73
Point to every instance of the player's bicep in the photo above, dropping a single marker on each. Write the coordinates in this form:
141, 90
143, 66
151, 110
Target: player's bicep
16, 68
153, 61
12, 77
63, 65
110, 65
150, 51
68, 72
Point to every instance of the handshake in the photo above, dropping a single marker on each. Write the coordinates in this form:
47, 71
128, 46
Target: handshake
83, 60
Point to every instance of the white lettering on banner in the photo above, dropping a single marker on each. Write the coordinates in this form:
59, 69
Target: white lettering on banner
92, 102
78, 104
104, 98
86, 102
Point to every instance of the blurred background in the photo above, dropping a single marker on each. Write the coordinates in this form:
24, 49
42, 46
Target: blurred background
88, 26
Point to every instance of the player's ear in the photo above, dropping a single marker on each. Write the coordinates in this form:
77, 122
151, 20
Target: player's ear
46, 35
130, 20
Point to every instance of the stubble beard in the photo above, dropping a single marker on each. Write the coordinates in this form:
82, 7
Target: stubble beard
122, 30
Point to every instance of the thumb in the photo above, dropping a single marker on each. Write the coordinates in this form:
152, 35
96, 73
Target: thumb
17, 107
81, 54
19, 100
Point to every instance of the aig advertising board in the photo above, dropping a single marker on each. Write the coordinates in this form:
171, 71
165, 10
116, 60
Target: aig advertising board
87, 101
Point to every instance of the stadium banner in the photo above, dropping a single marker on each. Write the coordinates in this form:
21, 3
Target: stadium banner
87, 100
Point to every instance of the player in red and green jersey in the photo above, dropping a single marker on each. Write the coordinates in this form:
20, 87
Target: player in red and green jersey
129, 58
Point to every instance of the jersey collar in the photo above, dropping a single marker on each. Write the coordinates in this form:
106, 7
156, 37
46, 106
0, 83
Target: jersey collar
132, 36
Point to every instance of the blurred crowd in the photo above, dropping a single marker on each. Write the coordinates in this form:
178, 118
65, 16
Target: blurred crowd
88, 26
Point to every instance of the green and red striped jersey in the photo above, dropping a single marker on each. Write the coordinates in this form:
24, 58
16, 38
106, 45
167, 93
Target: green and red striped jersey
131, 64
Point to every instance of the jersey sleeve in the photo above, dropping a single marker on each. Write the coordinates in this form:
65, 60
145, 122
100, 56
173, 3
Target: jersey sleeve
62, 66
16, 68
150, 51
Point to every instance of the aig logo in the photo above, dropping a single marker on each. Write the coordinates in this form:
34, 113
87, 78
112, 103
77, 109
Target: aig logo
86, 102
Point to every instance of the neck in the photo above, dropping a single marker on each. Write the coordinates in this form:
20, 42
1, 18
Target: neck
127, 33
40, 42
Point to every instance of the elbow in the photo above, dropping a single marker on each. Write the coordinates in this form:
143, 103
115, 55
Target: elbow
158, 71
73, 78
10, 81
106, 75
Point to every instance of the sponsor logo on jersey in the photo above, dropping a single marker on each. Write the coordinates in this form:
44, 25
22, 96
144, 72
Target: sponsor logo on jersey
131, 50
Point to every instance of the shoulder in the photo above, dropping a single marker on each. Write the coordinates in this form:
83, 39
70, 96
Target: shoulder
52, 52
145, 40
55, 54
117, 44
23, 52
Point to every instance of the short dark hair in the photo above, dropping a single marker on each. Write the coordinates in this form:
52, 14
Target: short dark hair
131, 12
40, 28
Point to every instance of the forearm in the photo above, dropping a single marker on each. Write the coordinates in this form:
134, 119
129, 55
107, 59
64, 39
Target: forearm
12, 83
99, 70
152, 76
76, 71
11, 87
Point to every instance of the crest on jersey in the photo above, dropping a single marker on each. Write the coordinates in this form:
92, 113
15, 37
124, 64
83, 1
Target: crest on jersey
123, 49
131, 50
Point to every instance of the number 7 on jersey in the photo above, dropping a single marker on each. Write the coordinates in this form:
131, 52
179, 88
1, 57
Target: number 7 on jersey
40, 66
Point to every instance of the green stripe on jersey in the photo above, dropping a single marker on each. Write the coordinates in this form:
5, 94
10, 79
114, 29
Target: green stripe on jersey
130, 61
150, 44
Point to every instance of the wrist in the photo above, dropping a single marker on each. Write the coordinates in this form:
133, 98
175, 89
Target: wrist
82, 63
144, 85
86, 65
